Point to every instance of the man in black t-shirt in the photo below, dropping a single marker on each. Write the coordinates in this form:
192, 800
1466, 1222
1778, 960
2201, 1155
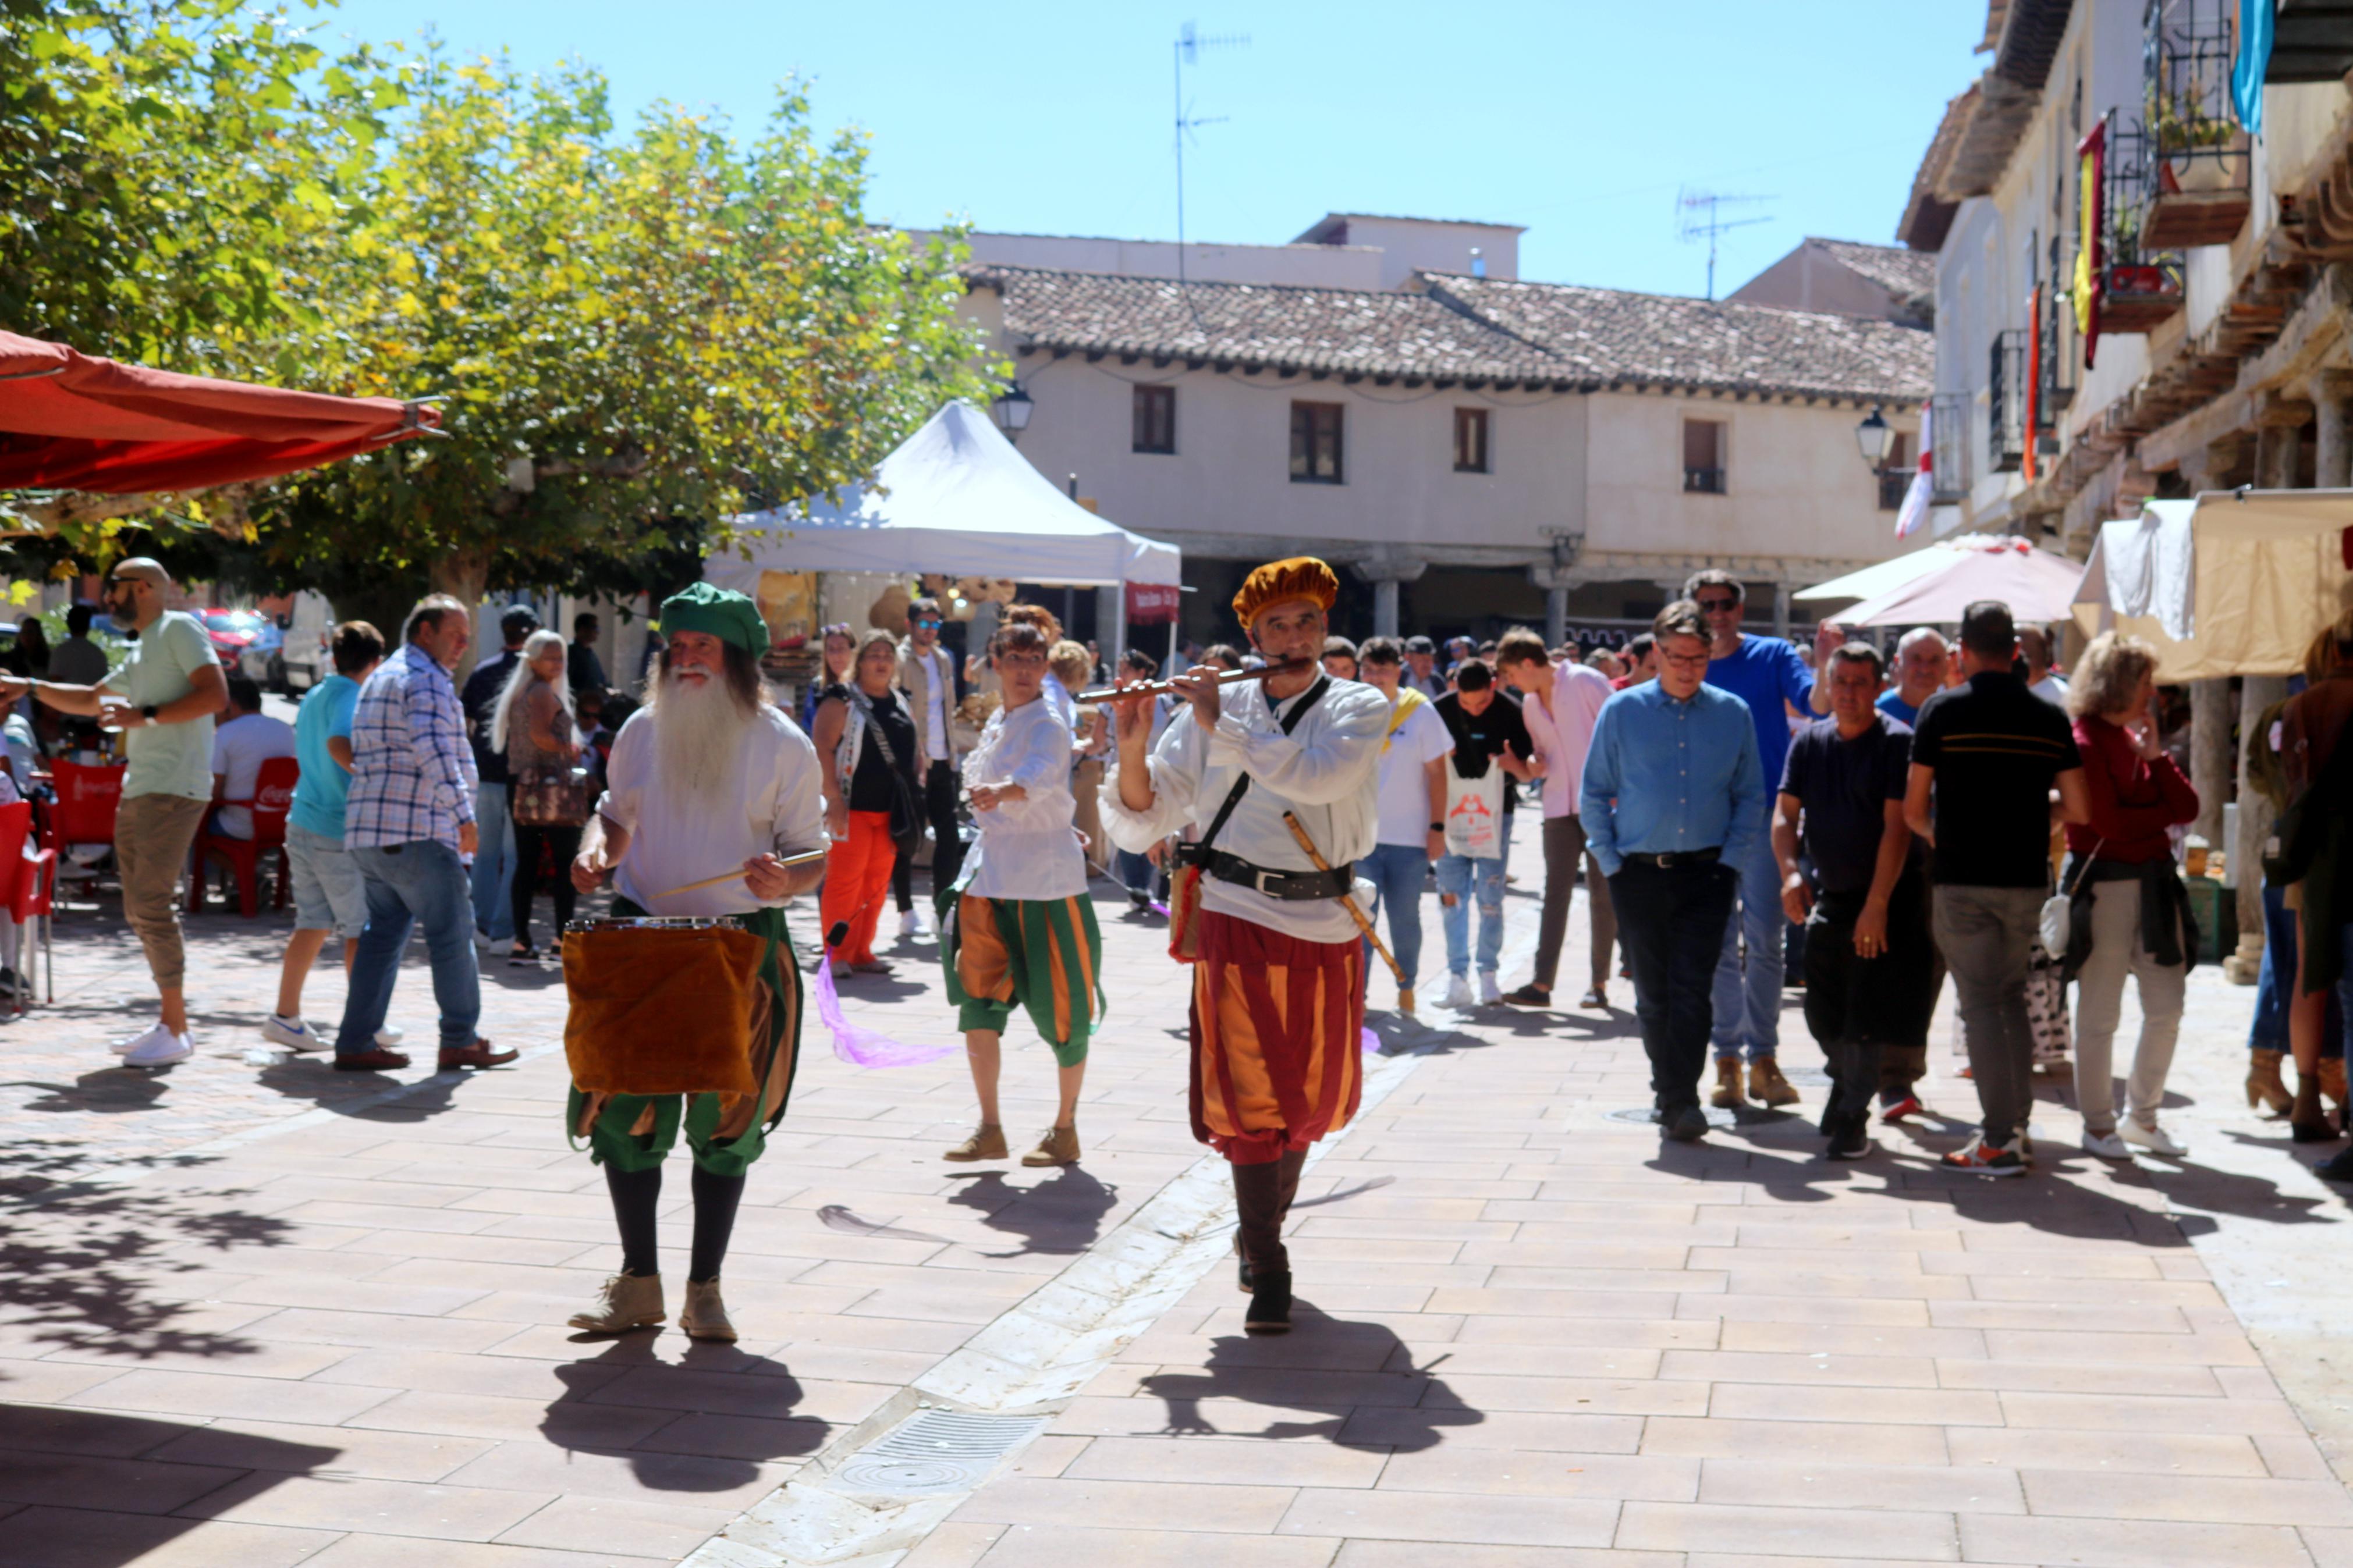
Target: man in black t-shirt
1869, 962
1485, 724
1992, 751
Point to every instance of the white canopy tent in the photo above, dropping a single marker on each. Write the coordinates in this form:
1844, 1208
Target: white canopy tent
955, 499
1879, 577
2233, 583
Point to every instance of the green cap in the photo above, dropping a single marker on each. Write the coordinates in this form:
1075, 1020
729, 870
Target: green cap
723, 612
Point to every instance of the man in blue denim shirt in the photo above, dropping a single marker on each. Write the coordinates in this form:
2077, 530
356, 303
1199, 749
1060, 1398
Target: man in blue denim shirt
1673, 798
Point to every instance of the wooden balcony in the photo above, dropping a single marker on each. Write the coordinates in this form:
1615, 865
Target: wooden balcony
2200, 196
2138, 297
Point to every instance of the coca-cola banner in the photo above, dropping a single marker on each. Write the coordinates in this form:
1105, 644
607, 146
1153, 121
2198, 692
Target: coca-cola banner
1152, 604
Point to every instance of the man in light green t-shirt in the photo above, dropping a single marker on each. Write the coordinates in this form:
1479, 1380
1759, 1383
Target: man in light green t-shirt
162, 699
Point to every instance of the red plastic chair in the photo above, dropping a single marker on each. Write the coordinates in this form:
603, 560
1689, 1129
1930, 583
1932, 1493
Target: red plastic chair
273, 795
87, 797
27, 883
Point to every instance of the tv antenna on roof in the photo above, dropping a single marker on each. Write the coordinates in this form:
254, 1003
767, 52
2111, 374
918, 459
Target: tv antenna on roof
1186, 50
1697, 217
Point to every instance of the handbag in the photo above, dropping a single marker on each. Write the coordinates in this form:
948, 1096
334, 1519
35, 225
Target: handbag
906, 811
2058, 919
1474, 815
1184, 882
552, 795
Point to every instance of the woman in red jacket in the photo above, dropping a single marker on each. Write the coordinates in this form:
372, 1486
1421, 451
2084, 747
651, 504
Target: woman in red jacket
2129, 895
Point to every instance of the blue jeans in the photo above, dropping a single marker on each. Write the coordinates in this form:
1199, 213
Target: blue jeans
494, 863
1134, 871
1395, 872
2275, 985
1747, 996
1469, 880
419, 883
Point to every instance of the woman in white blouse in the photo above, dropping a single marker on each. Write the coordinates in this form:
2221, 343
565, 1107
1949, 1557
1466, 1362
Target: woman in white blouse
1022, 931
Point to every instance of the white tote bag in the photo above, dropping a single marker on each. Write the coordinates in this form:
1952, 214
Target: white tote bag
1474, 813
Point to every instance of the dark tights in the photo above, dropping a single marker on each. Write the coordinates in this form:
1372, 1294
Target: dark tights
1263, 1196
565, 842
637, 1195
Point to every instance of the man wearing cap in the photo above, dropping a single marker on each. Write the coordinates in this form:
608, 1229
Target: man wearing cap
707, 775
1421, 669
162, 699
408, 822
1278, 993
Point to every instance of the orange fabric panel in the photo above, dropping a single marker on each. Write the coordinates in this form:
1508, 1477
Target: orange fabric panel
1276, 1060
982, 966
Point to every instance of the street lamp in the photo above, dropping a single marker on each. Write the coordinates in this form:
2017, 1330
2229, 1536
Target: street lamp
1874, 435
1012, 410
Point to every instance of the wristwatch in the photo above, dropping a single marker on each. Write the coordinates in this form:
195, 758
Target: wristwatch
148, 713
1438, 828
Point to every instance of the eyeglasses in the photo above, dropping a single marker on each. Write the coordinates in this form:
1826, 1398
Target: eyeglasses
1685, 660
1717, 606
924, 621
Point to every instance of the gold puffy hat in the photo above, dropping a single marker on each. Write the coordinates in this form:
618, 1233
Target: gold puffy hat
1301, 577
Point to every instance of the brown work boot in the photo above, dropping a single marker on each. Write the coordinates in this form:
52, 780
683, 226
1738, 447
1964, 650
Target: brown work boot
478, 1055
2264, 1085
1727, 1085
376, 1060
626, 1301
704, 1316
1767, 1086
986, 1142
1060, 1146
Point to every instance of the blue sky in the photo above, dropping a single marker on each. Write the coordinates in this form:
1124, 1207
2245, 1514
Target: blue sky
1577, 119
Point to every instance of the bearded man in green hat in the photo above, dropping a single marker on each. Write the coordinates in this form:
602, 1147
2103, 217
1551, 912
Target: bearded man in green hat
708, 777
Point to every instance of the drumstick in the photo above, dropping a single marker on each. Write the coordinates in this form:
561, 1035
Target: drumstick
803, 859
1364, 921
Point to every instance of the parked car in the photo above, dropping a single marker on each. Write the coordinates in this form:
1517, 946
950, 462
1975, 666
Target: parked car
233, 632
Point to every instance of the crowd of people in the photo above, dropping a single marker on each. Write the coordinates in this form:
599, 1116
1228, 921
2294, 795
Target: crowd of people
1742, 814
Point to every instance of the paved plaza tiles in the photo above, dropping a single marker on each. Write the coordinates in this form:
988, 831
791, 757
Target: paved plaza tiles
262, 1315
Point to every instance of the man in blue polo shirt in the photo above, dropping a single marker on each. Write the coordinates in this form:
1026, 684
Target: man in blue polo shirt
1672, 799
1764, 673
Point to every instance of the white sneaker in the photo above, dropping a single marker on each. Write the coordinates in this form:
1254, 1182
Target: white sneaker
1458, 994
162, 1052
140, 1042
912, 924
503, 948
2106, 1145
390, 1036
1490, 993
292, 1033
2151, 1137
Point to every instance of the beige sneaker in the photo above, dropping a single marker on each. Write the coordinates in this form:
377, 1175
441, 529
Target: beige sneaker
626, 1301
1060, 1146
705, 1315
1727, 1085
1767, 1086
986, 1142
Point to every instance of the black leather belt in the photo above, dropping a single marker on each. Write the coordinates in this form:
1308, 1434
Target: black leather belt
1289, 885
1668, 862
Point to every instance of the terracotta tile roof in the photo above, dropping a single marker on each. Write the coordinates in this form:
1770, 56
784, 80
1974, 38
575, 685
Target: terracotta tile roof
1906, 274
1466, 328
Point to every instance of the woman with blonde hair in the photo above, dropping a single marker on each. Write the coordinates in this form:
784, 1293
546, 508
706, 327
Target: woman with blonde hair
1069, 664
534, 723
2130, 913
864, 737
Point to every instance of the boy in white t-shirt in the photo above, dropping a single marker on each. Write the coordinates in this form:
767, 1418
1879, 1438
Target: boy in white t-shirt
1412, 832
242, 741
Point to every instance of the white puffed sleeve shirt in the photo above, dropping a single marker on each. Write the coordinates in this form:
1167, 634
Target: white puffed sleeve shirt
1327, 773
771, 804
1027, 847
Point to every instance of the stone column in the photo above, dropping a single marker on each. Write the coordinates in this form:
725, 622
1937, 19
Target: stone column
2211, 772
1384, 573
1780, 609
2332, 390
1555, 581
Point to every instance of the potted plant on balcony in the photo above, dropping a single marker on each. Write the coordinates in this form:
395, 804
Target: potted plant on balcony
2196, 152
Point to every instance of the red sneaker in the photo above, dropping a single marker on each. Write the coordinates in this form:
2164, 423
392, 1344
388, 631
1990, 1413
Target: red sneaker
1987, 1159
1907, 1106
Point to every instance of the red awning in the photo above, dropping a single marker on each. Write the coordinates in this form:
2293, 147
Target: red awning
71, 421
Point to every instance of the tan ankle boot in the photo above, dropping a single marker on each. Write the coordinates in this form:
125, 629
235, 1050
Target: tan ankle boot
1767, 1086
1727, 1095
705, 1315
988, 1142
1060, 1146
626, 1301
2265, 1086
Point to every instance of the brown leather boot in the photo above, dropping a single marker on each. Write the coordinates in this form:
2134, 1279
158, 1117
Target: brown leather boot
1727, 1096
1060, 1146
986, 1142
477, 1056
704, 1316
626, 1301
1767, 1086
2265, 1087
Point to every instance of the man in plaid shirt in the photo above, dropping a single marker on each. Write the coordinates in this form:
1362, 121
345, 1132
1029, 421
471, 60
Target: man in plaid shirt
408, 822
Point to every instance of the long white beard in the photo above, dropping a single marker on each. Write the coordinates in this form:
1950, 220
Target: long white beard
698, 734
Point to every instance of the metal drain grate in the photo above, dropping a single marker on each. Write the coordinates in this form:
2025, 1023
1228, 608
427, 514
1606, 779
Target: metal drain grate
937, 1451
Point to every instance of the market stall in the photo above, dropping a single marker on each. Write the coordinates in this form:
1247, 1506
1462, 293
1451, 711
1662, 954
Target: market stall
2038, 586
2233, 583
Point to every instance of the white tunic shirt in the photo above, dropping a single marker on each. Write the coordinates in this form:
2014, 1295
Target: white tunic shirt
1327, 773
771, 802
1027, 848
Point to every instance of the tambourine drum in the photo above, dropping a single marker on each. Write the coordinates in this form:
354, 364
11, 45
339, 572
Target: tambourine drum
662, 1005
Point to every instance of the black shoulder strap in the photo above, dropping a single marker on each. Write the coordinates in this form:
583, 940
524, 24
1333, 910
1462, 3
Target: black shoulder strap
1289, 722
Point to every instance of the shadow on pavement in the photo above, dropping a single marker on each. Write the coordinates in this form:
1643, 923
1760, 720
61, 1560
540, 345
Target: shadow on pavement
734, 1411
1061, 1216
79, 1267
1291, 1372
67, 1465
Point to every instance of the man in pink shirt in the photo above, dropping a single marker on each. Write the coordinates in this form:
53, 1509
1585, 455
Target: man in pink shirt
1561, 702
